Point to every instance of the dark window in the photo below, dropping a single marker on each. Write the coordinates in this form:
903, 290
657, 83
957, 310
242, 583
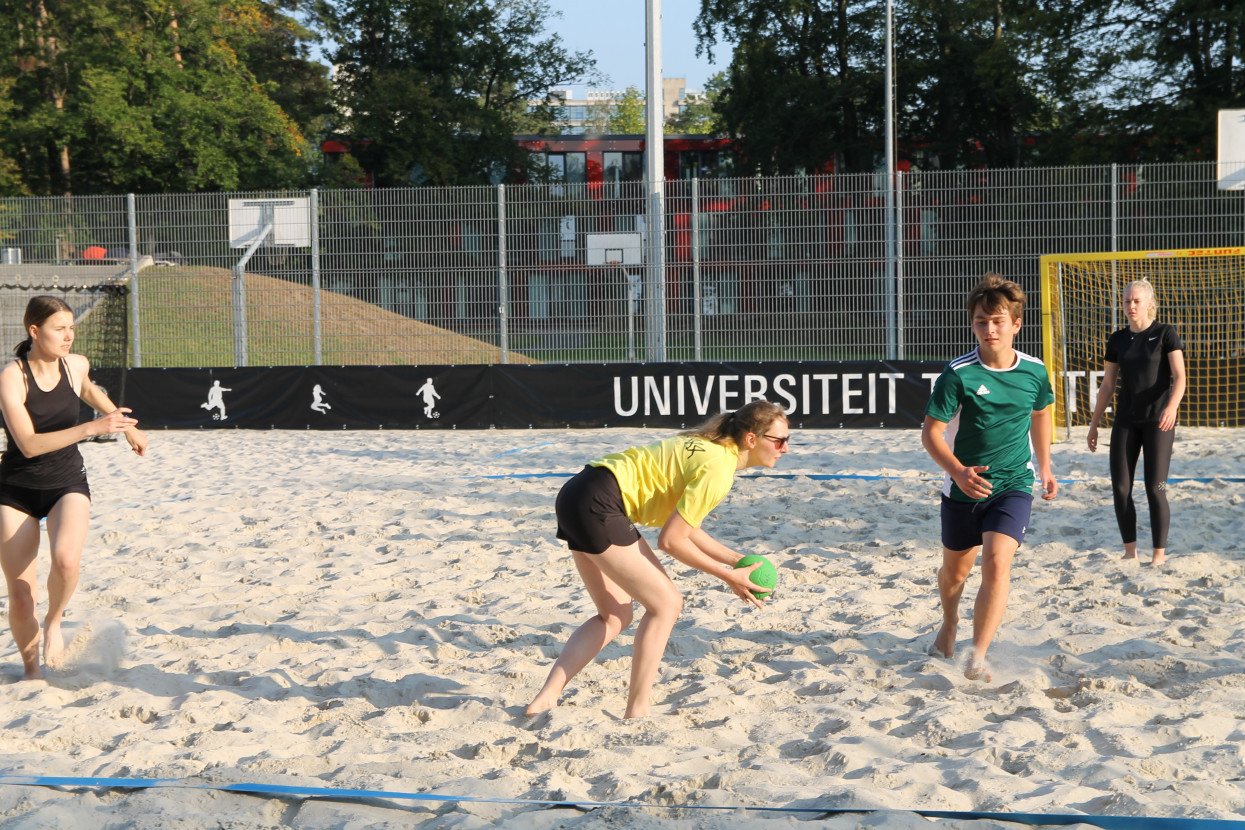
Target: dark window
621, 167
698, 164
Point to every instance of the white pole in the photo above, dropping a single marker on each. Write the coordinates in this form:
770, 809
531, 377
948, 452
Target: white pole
655, 176
892, 282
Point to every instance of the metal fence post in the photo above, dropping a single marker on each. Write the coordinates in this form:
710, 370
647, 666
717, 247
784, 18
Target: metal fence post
1115, 207
503, 290
899, 338
697, 321
136, 338
317, 334
1115, 243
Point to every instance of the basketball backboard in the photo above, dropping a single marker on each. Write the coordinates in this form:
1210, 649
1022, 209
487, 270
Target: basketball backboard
614, 248
1230, 171
287, 222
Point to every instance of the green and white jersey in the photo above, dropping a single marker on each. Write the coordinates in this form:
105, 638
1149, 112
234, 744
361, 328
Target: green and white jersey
988, 413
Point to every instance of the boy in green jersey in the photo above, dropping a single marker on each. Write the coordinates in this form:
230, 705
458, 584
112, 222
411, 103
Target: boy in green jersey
981, 414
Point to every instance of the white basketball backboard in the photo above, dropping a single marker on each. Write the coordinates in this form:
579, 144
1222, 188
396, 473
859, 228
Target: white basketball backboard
290, 221
614, 248
1230, 172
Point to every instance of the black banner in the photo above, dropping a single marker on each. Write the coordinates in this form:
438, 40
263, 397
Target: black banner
817, 395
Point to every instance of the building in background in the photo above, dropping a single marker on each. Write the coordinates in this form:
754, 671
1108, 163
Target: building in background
580, 111
610, 160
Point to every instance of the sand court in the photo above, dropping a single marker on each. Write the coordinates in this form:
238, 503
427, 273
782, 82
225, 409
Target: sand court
373, 610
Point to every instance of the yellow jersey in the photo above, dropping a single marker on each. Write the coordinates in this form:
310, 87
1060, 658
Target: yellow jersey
683, 473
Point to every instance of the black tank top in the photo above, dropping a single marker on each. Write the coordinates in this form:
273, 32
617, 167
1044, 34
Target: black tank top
49, 412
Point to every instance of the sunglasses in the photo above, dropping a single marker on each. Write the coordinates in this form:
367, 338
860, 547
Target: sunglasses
778, 442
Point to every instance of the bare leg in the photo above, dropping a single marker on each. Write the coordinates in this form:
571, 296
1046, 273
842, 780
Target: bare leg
614, 614
1160, 556
67, 525
1130, 550
662, 606
19, 551
956, 566
632, 572
997, 552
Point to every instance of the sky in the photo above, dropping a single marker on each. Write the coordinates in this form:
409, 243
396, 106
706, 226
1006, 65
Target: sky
614, 33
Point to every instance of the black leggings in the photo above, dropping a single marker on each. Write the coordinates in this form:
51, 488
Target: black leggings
1127, 442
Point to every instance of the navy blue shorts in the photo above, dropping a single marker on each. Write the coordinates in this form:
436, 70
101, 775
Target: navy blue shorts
38, 503
964, 523
591, 513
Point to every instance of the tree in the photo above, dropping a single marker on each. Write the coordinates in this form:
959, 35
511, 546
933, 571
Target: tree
619, 116
440, 87
146, 95
10, 176
279, 55
804, 84
969, 79
699, 115
1182, 61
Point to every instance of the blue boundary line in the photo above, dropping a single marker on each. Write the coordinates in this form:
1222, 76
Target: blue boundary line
282, 790
859, 477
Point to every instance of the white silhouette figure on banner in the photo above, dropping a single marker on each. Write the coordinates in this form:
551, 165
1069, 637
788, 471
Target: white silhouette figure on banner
216, 400
317, 400
429, 393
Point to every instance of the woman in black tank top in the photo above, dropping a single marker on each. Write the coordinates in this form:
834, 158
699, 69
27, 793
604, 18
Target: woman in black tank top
1145, 362
42, 474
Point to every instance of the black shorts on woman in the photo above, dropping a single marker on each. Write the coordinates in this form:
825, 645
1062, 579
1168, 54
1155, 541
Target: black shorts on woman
591, 513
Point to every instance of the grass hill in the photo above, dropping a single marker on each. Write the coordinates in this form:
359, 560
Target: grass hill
186, 320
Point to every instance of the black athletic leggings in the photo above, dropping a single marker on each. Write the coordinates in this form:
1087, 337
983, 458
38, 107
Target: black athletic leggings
1127, 442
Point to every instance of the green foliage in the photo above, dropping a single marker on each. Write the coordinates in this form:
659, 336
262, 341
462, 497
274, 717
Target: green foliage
10, 177
978, 82
112, 96
345, 173
1185, 61
970, 74
619, 116
440, 87
699, 115
804, 86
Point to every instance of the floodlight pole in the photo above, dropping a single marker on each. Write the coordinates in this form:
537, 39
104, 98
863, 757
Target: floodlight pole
892, 253
655, 176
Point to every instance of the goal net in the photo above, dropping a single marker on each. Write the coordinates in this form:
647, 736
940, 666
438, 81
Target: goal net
1200, 291
101, 313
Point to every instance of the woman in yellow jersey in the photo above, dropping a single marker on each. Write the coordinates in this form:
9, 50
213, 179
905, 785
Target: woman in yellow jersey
672, 484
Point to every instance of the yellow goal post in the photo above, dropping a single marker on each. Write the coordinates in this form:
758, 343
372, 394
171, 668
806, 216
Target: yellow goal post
1201, 291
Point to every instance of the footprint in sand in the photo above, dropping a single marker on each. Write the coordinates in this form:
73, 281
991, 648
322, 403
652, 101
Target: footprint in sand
92, 650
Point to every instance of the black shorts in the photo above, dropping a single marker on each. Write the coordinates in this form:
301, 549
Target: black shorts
591, 514
38, 503
965, 522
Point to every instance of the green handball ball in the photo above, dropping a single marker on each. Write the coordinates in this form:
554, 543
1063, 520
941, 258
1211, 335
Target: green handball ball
764, 577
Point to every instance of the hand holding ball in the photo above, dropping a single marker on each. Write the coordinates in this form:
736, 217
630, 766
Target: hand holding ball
764, 577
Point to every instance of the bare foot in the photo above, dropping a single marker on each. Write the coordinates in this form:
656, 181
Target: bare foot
636, 713
539, 705
944, 642
976, 669
35, 673
53, 646
1128, 555
1158, 559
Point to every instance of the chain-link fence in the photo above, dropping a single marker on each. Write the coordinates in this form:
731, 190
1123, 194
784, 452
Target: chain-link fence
791, 268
